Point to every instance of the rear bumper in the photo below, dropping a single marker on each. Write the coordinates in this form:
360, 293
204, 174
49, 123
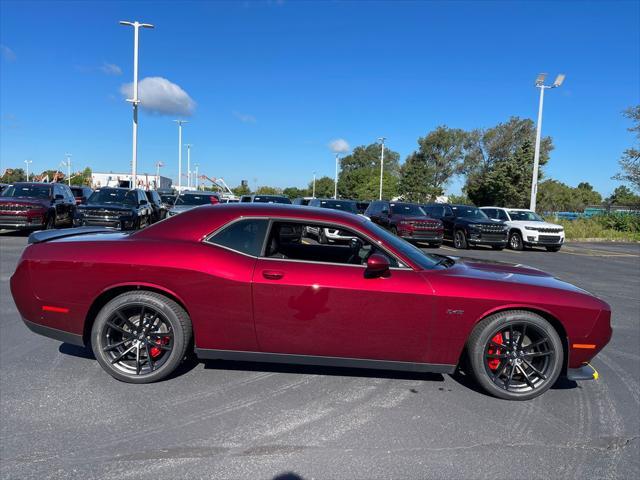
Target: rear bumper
54, 333
585, 372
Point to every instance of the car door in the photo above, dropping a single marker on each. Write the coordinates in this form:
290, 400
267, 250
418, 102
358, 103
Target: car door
449, 221
320, 308
59, 204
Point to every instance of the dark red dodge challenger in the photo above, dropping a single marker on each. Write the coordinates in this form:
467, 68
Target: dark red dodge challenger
241, 282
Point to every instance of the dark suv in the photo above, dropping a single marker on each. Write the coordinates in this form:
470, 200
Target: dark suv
81, 194
407, 220
469, 226
116, 207
158, 209
26, 206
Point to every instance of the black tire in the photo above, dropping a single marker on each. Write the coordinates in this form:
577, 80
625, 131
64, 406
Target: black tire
50, 223
553, 249
536, 348
515, 241
460, 239
114, 332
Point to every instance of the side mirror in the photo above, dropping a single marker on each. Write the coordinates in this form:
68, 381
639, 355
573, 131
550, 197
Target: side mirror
58, 197
377, 266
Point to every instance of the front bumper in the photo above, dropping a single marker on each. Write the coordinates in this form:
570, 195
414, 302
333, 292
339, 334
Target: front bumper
120, 223
494, 239
543, 239
21, 222
424, 235
585, 372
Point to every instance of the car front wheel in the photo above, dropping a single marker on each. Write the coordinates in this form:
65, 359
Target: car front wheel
460, 239
140, 337
515, 355
515, 241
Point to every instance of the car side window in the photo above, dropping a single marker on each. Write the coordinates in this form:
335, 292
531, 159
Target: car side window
244, 236
502, 215
490, 212
447, 211
295, 241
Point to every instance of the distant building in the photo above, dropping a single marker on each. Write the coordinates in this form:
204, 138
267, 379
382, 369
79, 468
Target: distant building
145, 182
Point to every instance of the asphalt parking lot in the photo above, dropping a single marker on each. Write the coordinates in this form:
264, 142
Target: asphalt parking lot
61, 416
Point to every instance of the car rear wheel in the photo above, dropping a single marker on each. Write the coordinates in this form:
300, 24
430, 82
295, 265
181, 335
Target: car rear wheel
140, 337
515, 241
460, 239
515, 355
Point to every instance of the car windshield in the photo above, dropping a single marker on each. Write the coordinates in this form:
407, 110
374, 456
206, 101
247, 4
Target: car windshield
31, 191
525, 215
270, 199
113, 195
423, 260
345, 206
469, 212
407, 209
193, 199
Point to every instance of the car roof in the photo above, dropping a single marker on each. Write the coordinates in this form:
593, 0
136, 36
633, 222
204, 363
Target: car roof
43, 184
197, 223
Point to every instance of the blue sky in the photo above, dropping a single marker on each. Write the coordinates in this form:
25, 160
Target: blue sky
274, 82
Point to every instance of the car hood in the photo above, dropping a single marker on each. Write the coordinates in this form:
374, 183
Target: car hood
24, 201
417, 218
508, 272
105, 206
523, 223
478, 221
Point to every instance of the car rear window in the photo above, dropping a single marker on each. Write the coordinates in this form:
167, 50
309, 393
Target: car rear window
193, 199
244, 236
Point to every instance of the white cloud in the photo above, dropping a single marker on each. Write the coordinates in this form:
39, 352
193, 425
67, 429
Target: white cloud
244, 117
110, 69
159, 95
339, 145
7, 53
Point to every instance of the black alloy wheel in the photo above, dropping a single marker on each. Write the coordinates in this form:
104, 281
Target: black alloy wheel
515, 241
515, 355
460, 239
140, 337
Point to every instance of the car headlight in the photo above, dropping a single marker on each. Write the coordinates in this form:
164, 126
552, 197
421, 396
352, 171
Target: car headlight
530, 228
474, 227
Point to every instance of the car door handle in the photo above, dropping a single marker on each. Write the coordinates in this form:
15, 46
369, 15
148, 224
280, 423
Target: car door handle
272, 274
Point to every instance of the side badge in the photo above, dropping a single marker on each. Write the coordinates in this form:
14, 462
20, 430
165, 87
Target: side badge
455, 312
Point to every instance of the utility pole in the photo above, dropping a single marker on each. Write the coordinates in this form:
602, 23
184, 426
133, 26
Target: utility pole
180, 123
335, 183
27, 162
197, 179
67, 163
188, 145
381, 139
158, 165
536, 156
135, 101
313, 191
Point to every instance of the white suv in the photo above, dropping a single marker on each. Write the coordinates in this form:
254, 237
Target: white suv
527, 228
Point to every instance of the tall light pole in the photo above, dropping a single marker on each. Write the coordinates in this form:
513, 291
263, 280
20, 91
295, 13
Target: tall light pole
180, 123
313, 190
536, 156
27, 162
67, 163
158, 165
381, 140
188, 145
135, 101
197, 179
335, 183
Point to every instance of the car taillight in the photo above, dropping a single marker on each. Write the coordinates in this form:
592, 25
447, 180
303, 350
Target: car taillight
214, 200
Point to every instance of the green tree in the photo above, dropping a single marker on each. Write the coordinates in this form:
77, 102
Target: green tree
11, 175
295, 192
360, 173
82, 178
623, 195
266, 190
241, 190
460, 200
324, 187
426, 172
587, 195
630, 161
499, 163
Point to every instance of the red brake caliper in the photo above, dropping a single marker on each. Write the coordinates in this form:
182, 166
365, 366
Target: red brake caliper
495, 362
155, 351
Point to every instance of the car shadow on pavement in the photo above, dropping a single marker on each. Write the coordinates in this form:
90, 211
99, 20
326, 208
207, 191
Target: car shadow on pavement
320, 370
467, 381
76, 351
14, 233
